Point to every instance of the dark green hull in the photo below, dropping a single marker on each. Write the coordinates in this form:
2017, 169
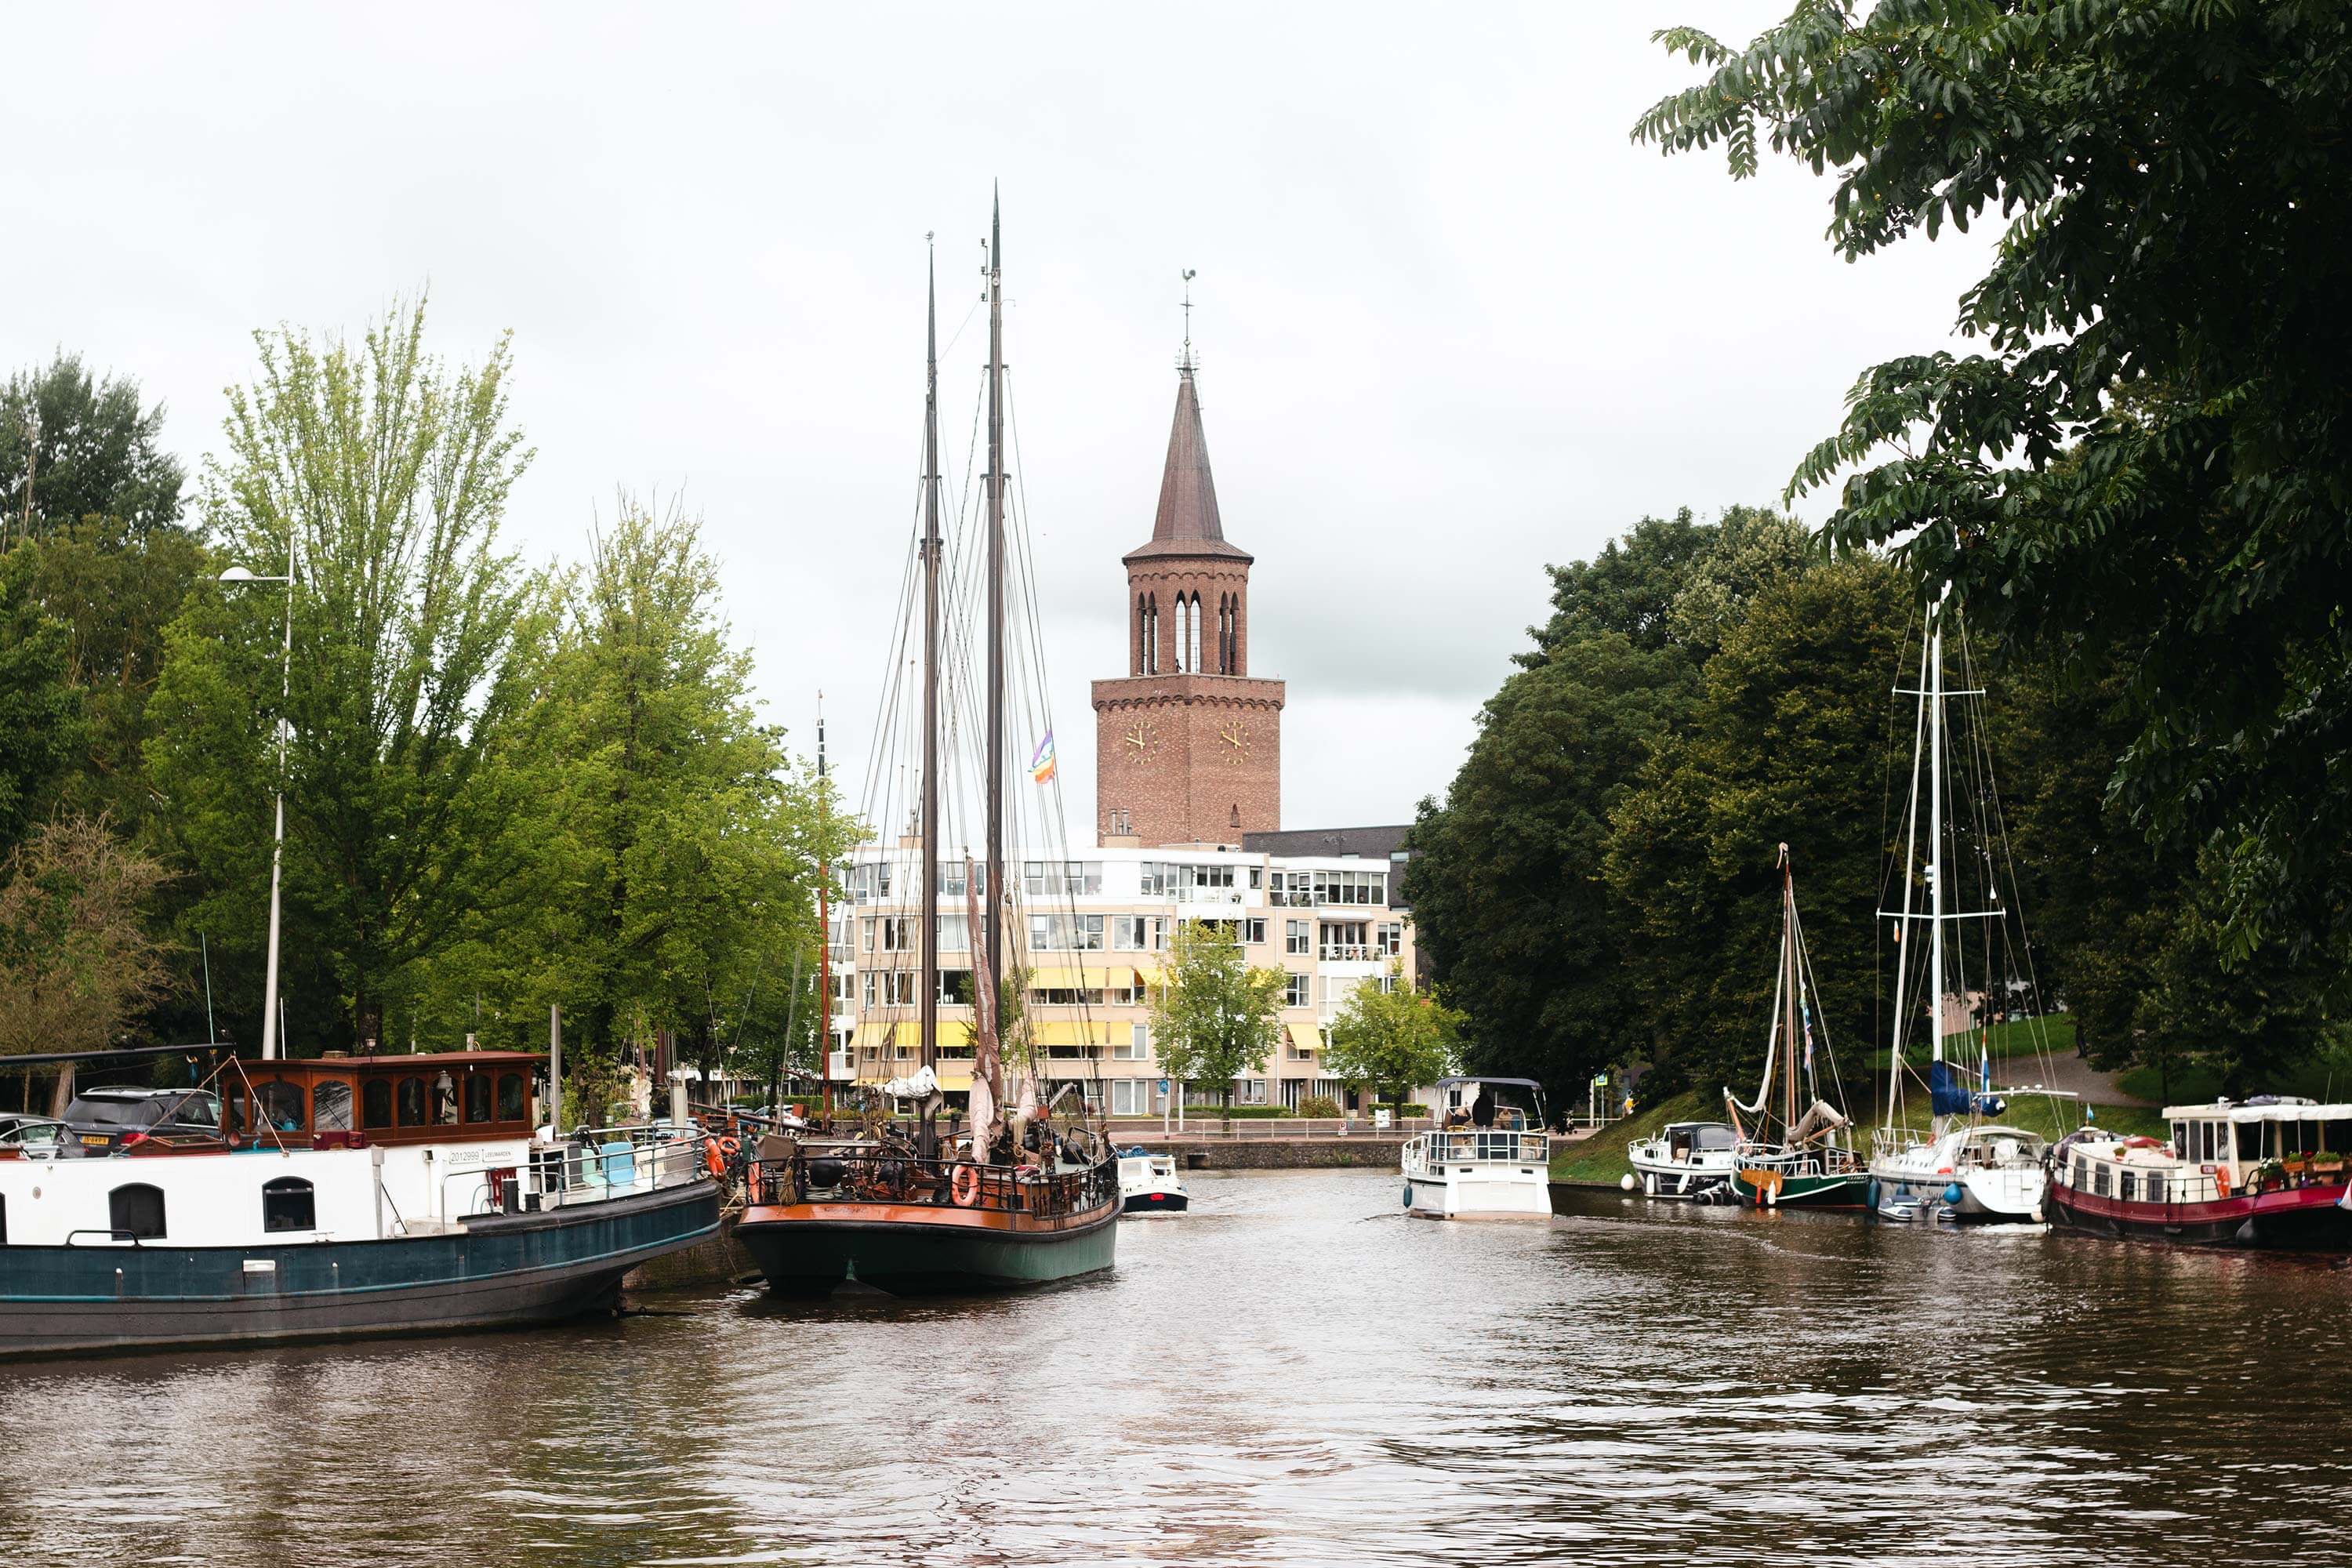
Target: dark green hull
1846, 1190
809, 1257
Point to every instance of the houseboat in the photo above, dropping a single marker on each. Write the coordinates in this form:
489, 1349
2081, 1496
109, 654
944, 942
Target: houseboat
340, 1196
2269, 1172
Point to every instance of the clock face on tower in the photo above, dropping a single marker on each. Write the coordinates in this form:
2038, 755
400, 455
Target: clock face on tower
1140, 741
1236, 737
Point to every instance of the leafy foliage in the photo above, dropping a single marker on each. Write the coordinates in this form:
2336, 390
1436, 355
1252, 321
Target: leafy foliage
2147, 464
40, 713
390, 474
93, 452
1392, 1039
1213, 1017
78, 961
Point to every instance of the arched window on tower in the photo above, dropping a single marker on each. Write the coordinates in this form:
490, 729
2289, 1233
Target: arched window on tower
1225, 633
1183, 634
1151, 636
1196, 633
1142, 635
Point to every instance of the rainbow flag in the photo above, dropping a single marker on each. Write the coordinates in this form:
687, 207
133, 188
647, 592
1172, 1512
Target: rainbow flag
1041, 767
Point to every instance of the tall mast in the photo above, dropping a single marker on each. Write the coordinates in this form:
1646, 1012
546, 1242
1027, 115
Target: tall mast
824, 927
927, 998
996, 903
1789, 995
1905, 936
1936, 842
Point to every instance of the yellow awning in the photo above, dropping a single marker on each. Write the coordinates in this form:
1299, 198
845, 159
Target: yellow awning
1305, 1037
1071, 1031
1084, 977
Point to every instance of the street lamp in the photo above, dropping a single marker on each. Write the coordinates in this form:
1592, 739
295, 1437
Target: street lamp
237, 576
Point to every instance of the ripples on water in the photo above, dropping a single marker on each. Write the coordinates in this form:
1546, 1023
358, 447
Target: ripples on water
1292, 1374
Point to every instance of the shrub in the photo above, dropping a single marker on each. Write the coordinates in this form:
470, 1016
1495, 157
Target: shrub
1319, 1107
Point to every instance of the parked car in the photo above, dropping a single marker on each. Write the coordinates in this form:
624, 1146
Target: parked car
37, 1137
103, 1119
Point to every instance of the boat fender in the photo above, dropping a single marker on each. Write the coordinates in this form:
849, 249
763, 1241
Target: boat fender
1408, 1195
1625, 1183
1952, 1193
964, 1185
1873, 1194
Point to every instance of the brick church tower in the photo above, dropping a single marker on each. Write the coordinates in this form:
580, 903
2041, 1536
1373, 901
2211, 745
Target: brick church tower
1188, 746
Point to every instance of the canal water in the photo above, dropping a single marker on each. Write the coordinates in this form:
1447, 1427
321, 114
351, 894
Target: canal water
1292, 1374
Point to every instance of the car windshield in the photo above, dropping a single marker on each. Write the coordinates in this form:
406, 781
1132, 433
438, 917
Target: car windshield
92, 1111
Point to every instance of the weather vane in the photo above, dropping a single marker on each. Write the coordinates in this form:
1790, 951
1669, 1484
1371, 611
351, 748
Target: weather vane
1187, 363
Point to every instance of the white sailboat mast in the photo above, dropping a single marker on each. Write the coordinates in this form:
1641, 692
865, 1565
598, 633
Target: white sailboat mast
1904, 935
1936, 832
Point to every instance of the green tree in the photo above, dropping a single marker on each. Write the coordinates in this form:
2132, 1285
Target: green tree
79, 962
1392, 1038
389, 472
1212, 1017
1787, 743
2146, 456
658, 845
89, 449
41, 712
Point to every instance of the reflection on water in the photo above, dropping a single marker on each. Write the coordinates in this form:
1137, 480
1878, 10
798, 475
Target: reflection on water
1292, 1374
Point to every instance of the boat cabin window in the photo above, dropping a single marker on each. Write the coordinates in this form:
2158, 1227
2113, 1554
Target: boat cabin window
2335, 1137
136, 1209
375, 1102
330, 1106
512, 1105
2155, 1181
2180, 1139
477, 1096
289, 1204
412, 1102
280, 1103
2100, 1179
2250, 1141
2130, 1187
444, 1099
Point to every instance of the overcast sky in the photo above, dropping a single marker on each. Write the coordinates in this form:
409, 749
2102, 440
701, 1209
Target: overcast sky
1453, 325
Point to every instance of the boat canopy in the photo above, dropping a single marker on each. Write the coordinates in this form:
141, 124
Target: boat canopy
1506, 1082
2281, 1107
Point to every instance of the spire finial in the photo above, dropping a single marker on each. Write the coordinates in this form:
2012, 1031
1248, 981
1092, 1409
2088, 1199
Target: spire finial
1185, 362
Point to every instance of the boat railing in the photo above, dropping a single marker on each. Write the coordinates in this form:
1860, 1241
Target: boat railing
1479, 1146
595, 1164
865, 1173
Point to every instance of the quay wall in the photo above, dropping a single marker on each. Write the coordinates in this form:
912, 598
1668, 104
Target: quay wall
721, 1260
1364, 1150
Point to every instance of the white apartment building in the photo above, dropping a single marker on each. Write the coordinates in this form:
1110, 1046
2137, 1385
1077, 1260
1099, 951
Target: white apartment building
1093, 933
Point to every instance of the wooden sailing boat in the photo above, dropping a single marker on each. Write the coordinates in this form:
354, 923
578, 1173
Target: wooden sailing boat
1786, 1160
1010, 1198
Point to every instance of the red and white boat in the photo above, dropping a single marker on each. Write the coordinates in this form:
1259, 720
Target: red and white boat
2269, 1172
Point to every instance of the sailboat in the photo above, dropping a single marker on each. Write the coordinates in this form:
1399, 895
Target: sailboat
1965, 1166
1807, 1165
1015, 1192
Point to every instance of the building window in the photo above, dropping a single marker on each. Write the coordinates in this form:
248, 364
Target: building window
1388, 937
1066, 997
1298, 937
1159, 877
1351, 886
1136, 1048
1066, 934
1209, 876
1298, 991
1293, 889
1130, 1097
1253, 932
1135, 934
1249, 1091
845, 989
289, 1204
136, 1210
1344, 940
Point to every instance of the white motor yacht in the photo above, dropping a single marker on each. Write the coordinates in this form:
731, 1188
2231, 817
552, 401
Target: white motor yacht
1686, 1160
1490, 1159
1148, 1184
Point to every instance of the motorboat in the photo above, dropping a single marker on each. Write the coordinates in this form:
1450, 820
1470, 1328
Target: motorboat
1977, 1170
2269, 1172
1491, 1157
1148, 1184
1686, 1160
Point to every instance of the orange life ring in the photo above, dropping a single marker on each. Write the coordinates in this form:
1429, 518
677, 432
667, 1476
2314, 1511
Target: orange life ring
728, 1147
2221, 1180
964, 1186
711, 1159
